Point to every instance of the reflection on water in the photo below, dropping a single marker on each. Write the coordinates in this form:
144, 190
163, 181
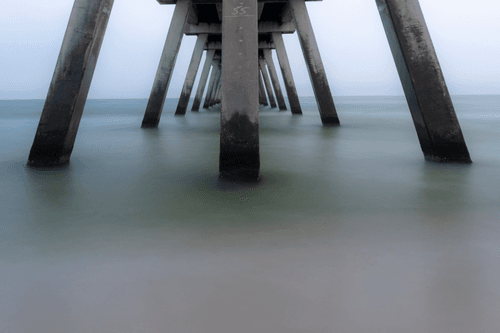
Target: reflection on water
349, 229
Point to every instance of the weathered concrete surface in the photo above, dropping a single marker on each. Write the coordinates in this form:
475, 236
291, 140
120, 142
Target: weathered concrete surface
211, 100
211, 82
286, 71
167, 64
60, 119
262, 91
215, 91
314, 63
239, 136
214, 28
428, 98
216, 45
203, 80
191, 74
211, 87
216, 84
267, 82
218, 95
268, 57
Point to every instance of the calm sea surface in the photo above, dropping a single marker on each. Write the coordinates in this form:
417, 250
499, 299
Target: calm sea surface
349, 230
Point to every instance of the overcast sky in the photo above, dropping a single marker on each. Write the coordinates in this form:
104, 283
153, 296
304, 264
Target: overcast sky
350, 36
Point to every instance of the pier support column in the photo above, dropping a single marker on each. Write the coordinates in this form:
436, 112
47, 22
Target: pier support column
423, 82
214, 90
218, 98
60, 119
191, 74
167, 64
218, 74
267, 83
286, 71
268, 57
218, 91
262, 92
203, 80
314, 63
211, 82
239, 136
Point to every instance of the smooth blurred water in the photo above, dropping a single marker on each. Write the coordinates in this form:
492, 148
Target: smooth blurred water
349, 230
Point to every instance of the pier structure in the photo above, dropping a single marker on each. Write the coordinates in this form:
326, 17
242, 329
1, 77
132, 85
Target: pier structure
241, 74
266, 67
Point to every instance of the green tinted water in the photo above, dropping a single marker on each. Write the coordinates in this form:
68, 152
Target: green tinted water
349, 229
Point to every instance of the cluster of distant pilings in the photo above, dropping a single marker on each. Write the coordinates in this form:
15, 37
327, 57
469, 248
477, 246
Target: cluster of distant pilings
270, 92
239, 36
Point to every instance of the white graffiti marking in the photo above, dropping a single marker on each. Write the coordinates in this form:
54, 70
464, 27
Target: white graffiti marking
240, 10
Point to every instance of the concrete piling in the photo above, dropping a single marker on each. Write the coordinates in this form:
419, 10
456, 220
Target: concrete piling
262, 91
286, 72
219, 87
423, 82
191, 74
213, 76
268, 57
243, 34
63, 108
167, 64
213, 84
210, 101
239, 134
218, 95
267, 82
213, 93
314, 63
203, 80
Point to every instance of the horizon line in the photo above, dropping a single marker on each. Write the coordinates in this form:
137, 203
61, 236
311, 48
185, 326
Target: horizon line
312, 96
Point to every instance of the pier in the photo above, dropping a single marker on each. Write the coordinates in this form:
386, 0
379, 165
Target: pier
238, 37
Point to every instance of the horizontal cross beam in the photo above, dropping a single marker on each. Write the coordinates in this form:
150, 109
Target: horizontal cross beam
216, 29
173, 2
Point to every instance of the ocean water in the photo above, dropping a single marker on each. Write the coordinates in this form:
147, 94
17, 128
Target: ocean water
349, 229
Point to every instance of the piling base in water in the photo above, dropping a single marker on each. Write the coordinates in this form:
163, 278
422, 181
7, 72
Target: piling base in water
241, 175
239, 157
428, 98
63, 108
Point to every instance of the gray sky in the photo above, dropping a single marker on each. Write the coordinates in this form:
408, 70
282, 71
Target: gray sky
350, 36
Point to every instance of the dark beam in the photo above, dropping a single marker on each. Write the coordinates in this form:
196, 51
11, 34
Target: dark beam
423, 82
286, 71
191, 74
265, 27
239, 132
314, 63
268, 57
203, 80
166, 66
63, 109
